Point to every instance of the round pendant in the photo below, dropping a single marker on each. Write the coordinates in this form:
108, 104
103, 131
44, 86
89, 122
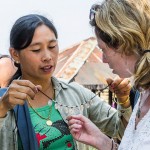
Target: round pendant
49, 123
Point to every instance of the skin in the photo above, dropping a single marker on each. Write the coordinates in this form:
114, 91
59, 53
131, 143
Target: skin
85, 131
42, 52
7, 70
38, 62
120, 64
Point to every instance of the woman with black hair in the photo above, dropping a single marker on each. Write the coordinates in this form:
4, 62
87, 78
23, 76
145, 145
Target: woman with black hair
34, 108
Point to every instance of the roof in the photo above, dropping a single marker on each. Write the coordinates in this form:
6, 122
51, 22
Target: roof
83, 64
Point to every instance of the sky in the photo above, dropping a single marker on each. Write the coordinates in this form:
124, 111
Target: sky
70, 17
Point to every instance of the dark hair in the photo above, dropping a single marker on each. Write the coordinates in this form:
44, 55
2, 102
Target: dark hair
22, 33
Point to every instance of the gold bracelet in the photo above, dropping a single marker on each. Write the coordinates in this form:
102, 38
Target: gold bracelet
122, 103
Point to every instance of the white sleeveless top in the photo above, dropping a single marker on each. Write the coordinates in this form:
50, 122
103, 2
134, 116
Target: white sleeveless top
138, 139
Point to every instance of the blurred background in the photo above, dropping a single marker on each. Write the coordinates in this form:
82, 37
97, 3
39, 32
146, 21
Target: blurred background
71, 18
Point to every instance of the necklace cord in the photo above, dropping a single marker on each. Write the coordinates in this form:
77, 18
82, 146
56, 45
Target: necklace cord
28, 99
45, 94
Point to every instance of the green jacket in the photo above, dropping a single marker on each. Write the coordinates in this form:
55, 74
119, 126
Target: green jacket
99, 112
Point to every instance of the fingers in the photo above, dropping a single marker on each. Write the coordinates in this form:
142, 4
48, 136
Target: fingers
109, 81
74, 123
123, 87
77, 121
26, 83
119, 85
18, 98
14, 89
18, 92
75, 127
78, 117
39, 87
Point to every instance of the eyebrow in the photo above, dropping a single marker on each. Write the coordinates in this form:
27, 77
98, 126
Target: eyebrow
38, 43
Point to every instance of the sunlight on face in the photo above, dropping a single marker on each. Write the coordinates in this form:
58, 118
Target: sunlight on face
39, 59
120, 64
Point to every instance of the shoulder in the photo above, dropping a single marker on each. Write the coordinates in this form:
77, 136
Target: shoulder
65, 84
74, 87
80, 90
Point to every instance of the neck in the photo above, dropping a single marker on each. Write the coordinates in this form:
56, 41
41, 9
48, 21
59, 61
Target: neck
4, 84
145, 93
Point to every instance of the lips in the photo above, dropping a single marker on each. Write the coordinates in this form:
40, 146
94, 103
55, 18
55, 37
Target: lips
47, 68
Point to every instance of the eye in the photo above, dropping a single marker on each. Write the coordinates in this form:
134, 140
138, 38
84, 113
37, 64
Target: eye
51, 47
36, 50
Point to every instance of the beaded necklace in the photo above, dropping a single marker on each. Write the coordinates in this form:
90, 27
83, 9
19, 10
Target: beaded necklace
140, 106
68, 109
71, 109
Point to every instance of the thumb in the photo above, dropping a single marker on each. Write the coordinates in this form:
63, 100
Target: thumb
109, 81
38, 87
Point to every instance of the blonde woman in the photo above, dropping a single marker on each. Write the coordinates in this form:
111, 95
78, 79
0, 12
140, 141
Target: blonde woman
122, 29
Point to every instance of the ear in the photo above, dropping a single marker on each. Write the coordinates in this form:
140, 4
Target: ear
14, 54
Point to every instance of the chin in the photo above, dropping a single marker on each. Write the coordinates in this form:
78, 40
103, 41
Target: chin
123, 74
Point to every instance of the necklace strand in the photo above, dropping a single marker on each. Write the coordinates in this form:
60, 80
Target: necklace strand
48, 119
68, 109
138, 114
71, 109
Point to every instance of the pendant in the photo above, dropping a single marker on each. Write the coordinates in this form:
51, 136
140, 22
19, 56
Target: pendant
138, 113
49, 122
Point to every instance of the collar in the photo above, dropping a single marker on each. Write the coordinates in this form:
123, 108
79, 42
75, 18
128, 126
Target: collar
59, 83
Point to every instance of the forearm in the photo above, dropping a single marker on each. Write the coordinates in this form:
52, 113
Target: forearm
103, 143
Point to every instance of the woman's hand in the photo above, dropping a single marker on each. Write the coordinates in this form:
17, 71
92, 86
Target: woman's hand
83, 130
121, 87
16, 94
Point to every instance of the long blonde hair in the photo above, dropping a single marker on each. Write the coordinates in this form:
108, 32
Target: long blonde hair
125, 26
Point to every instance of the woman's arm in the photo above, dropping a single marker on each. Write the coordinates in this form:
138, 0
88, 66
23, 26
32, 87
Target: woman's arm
83, 130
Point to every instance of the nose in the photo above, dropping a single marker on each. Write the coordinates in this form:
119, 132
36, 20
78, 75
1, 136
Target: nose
47, 56
104, 59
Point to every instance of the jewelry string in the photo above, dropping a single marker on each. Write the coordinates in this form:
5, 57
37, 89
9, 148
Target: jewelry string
71, 109
138, 113
38, 113
48, 119
140, 105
